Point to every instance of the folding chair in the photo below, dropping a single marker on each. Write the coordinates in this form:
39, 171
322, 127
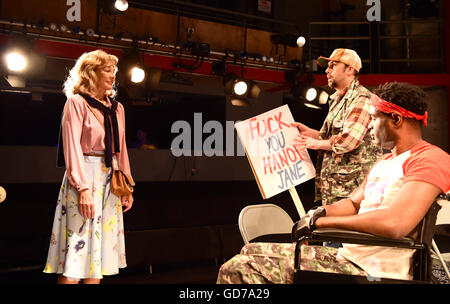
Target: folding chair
421, 260
265, 223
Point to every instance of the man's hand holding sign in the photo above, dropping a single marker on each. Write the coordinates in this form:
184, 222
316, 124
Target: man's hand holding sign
309, 138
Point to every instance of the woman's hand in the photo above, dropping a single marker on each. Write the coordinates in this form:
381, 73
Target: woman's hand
127, 202
85, 204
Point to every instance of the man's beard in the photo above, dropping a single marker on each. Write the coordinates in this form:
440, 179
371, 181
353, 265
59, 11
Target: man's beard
333, 84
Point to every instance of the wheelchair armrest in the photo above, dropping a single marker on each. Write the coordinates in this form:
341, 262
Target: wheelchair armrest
354, 237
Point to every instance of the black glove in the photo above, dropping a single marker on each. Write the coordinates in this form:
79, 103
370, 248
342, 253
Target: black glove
307, 223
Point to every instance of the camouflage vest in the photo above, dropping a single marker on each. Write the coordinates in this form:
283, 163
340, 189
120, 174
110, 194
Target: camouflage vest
339, 174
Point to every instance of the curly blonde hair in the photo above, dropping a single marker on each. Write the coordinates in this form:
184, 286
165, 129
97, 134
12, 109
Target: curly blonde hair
82, 77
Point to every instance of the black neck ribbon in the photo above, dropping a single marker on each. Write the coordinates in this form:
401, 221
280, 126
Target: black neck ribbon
111, 130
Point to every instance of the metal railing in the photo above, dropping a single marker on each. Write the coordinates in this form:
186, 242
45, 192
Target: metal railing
408, 38
219, 15
326, 50
370, 43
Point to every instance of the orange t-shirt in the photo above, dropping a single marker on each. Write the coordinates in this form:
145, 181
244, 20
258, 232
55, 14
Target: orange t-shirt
424, 162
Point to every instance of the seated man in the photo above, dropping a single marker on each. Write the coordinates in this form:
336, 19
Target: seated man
393, 200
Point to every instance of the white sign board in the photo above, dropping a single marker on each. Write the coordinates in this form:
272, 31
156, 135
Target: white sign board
268, 140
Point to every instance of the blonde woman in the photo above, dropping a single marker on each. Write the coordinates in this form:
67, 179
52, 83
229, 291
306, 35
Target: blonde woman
87, 239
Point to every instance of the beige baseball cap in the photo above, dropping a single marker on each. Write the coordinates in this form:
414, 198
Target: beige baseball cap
347, 56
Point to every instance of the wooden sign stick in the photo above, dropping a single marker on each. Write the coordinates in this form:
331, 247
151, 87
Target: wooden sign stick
297, 202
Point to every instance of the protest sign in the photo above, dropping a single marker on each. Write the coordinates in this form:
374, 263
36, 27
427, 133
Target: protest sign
277, 164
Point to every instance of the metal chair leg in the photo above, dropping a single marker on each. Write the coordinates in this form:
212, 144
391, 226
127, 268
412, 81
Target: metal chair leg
444, 264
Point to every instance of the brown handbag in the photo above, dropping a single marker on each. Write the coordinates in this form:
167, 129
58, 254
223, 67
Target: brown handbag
121, 184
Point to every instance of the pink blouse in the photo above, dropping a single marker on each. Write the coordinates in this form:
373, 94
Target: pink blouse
83, 133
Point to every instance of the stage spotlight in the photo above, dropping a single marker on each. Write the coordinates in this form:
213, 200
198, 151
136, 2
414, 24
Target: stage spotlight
132, 64
121, 5
15, 61
308, 95
311, 94
240, 87
18, 55
304, 92
22, 62
240, 90
137, 74
313, 99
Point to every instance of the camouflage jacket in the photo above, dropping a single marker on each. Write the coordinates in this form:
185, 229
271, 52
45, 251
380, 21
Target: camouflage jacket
343, 169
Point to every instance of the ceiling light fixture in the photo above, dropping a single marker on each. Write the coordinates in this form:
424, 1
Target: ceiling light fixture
121, 5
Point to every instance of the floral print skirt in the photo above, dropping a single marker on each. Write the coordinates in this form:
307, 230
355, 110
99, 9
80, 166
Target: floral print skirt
87, 248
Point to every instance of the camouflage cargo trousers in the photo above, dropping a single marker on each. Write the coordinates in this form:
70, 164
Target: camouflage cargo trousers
260, 263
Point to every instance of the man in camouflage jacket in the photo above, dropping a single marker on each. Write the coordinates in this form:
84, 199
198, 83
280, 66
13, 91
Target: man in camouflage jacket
346, 150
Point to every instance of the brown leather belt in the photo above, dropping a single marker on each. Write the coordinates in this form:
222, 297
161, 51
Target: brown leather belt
94, 154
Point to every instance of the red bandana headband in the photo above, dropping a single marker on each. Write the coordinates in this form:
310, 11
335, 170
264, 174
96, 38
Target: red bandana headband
388, 107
